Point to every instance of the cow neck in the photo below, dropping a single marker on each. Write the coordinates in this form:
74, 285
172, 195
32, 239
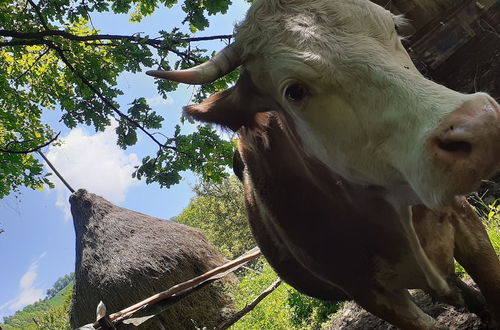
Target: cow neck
309, 203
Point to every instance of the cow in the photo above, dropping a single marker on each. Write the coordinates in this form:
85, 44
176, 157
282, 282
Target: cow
354, 164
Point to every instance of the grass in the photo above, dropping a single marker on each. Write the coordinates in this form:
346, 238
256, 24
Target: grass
492, 222
490, 213
58, 299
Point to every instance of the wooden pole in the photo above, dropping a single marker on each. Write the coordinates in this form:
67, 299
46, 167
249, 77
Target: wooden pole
248, 308
213, 274
56, 171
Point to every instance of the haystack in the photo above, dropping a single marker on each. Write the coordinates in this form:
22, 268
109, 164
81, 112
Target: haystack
124, 256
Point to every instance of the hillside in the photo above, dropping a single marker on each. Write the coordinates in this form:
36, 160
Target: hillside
50, 313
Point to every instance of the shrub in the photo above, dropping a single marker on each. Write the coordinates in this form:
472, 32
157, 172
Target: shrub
307, 312
285, 308
273, 313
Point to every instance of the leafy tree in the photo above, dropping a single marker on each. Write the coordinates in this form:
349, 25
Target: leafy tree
218, 210
60, 284
52, 57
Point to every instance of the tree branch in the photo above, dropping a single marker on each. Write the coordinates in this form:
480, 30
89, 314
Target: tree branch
87, 83
29, 150
32, 65
74, 37
39, 14
248, 308
209, 38
56, 172
211, 275
37, 38
22, 42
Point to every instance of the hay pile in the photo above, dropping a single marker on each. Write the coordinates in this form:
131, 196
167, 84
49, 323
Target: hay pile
123, 257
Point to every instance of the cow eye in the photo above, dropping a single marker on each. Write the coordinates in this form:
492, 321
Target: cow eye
296, 92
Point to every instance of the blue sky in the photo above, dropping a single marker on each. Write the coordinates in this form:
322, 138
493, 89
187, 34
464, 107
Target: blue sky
38, 245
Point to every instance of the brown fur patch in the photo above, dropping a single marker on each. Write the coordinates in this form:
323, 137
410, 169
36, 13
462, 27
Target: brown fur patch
236, 107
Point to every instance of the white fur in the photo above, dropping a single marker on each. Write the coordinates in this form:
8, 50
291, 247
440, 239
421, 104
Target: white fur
369, 111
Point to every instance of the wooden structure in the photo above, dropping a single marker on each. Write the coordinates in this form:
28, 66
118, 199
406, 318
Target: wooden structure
454, 42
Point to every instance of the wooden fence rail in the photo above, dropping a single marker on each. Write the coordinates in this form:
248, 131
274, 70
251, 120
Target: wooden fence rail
152, 306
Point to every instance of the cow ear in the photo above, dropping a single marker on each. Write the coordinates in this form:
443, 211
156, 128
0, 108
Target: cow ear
233, 108
220, 108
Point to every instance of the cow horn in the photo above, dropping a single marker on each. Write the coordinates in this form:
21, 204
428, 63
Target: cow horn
221, 64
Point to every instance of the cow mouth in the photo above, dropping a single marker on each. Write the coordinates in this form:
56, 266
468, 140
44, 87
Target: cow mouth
463, 150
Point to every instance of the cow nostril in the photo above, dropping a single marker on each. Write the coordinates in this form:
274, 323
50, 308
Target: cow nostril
456, 147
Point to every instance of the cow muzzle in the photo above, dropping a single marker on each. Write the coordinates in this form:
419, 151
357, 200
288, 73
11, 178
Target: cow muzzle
465, 147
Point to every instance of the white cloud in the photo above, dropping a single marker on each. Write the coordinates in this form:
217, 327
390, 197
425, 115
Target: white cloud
93, 162
28, 293
159, 100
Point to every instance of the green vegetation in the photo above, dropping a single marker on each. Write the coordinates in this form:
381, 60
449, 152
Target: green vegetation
493, 224
309, 313
58, 298
490, 213
218, 210
60, 284
273, 312
285, 308
50, 313
53, 58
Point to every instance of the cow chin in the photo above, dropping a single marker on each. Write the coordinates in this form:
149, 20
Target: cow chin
437, 199
437, 188
440, 187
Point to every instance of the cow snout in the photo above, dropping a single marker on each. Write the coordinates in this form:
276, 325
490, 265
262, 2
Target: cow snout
466, 144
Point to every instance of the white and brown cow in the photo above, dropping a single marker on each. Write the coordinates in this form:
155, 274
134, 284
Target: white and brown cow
353, 160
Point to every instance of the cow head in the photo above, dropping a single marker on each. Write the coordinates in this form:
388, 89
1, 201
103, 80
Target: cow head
337, 73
